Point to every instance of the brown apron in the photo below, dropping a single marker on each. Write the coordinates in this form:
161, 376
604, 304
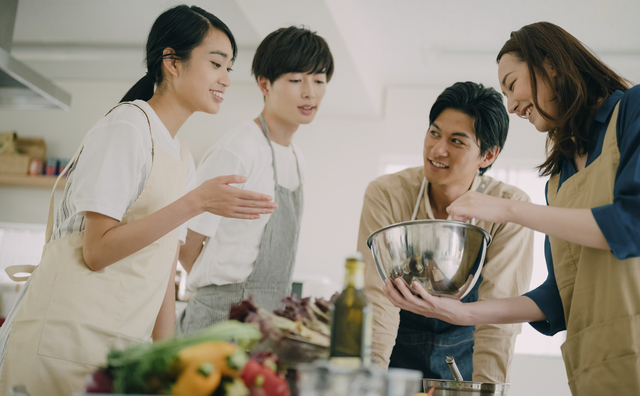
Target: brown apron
600, 294
70, 317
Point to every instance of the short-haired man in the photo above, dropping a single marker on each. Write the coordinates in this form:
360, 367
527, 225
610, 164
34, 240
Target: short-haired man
230, 260
468, 128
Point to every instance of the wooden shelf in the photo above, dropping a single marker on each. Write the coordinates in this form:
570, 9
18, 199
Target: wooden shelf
11, 180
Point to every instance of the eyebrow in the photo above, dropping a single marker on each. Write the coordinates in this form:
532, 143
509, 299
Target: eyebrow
223, 54
461, 134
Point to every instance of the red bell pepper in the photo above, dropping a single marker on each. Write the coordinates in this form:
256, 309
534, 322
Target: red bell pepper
257, 376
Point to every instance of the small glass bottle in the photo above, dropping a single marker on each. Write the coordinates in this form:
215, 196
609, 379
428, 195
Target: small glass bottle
351, 319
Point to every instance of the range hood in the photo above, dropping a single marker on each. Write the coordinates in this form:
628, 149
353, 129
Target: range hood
20, 86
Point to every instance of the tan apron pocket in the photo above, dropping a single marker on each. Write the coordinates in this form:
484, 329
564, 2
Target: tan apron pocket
596, 348
84, 318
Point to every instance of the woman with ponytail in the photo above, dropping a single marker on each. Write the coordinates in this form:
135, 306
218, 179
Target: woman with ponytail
105, 279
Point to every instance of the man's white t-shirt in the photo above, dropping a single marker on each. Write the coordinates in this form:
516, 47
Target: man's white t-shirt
114, 166
232, 245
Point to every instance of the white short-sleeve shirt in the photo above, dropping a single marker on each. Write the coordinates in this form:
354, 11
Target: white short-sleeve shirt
114, 166
232, 245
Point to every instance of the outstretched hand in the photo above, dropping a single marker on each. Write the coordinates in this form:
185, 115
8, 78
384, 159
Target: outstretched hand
425, 304
473, 204
218, 197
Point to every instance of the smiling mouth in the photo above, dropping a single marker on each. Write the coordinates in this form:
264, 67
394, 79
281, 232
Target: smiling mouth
527, 112
438, 164
307, 107
217, 93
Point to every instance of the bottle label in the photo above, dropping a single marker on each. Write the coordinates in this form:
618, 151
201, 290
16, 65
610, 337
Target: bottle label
346, 362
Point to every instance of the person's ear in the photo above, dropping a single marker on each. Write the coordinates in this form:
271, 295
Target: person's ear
550, 68
169, 61
265, 85
489, 157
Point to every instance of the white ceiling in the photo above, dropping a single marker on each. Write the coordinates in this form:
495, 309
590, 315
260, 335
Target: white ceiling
377, 44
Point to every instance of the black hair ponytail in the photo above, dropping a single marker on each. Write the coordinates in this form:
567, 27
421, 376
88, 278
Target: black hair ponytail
182, 29
143, 89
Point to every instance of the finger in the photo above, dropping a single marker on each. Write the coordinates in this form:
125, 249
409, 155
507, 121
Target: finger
251, 196
253, 211
403, 288
422, 292
393, 295
232, 179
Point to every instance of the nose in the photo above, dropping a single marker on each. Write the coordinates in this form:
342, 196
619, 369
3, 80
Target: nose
308, 91
440, 148
225, 79
512, 106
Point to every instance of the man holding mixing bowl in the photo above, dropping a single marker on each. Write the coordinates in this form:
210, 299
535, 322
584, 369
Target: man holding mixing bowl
468, 128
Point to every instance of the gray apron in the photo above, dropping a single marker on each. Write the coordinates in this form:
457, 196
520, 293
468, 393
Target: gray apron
270, 280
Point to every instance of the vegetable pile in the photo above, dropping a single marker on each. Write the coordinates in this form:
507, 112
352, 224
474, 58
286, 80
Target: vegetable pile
202, 364
307, 318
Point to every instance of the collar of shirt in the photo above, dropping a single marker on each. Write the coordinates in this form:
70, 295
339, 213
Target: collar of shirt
597, 130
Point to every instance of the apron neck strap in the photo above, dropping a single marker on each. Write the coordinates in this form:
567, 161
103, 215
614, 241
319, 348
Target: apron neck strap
482, 187
265, 130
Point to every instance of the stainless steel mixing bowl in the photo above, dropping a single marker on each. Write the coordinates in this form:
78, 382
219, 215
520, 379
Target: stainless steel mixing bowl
464, 388
445, 256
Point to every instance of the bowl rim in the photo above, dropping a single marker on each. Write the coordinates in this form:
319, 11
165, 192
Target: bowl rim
424, 221
467, 385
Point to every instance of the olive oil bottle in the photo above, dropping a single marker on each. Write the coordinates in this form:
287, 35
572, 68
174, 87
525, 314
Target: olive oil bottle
351, 319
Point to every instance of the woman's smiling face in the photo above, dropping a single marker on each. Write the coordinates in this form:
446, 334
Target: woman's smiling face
515, 82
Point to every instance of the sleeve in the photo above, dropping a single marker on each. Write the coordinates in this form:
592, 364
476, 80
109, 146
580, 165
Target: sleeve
217, 163
547, 298
619, 220
191, 184
376, 213
506, 273
109, 169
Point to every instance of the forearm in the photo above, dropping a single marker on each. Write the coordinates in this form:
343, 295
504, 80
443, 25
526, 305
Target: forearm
166, 321
191, 249
506, 310
105, 247
572, 225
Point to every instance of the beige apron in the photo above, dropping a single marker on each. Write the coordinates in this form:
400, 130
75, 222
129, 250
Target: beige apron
600, 294
71, 316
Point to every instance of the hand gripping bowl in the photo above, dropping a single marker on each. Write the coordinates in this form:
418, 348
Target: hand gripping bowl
445, 256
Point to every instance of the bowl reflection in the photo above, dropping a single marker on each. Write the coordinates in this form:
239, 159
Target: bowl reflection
445, 256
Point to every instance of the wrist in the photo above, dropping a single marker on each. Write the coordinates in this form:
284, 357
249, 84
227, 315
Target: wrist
193, 203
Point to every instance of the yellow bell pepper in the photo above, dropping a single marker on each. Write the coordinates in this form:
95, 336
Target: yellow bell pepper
227, 358
202, 366
197, 380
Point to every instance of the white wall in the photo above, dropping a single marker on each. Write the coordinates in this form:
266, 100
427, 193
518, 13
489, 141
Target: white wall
343, 155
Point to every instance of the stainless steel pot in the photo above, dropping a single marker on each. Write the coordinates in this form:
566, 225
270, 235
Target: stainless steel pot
464, 388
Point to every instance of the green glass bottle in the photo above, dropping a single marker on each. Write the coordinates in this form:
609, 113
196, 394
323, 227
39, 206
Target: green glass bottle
351, 319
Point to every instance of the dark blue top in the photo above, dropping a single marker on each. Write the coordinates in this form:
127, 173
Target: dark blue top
617, 221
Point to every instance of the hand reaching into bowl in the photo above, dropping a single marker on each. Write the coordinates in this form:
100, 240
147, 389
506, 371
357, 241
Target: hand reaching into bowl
481, 207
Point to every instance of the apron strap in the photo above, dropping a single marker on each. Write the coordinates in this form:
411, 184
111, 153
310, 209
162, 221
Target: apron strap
482, 187
16, 269
50, 219
265, 130
415, 209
